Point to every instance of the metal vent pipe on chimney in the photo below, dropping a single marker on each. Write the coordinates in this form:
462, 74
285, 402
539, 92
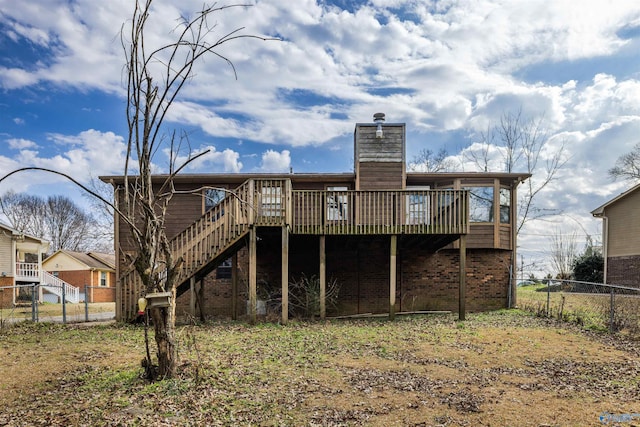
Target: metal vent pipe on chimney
379, 119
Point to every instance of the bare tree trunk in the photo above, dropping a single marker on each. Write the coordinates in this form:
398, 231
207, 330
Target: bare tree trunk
164, 331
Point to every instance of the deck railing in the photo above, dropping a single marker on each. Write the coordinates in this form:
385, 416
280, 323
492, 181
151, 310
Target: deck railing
380, 212
28, 270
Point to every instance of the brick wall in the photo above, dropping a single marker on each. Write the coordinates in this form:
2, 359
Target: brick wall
217, 293
77, 278
624, 270
6, 295
426, 280
430, 281
80, 278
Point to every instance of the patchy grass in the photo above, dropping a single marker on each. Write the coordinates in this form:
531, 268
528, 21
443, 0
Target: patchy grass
500, 368
589, 310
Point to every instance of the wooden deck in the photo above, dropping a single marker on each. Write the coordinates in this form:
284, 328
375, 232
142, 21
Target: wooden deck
273, 203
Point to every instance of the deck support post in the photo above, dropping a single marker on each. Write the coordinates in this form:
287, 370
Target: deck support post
201, 300
253, 276
393, 276
323, 277
234, 286
463, 278
285, 275
192, 296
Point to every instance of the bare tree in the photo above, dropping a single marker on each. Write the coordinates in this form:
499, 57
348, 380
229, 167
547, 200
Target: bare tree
57, 219
429, 161
627, 166
154, 80
563, 253
102, 213
518, 143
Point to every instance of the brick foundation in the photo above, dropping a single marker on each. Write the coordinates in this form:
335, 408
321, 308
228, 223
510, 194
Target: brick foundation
426, 280
624, 270
6, 295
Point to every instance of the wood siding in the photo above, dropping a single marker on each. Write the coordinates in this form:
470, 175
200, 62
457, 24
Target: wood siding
380, 162
6, 256
480, 236
624, 226
505, 237
380, 176
389, 148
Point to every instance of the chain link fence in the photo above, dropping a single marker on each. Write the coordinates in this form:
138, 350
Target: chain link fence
592, 305
34, 303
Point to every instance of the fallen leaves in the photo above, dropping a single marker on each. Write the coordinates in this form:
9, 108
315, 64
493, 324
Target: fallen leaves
497, 369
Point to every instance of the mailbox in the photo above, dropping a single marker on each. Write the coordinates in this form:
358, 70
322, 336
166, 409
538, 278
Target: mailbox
158, 299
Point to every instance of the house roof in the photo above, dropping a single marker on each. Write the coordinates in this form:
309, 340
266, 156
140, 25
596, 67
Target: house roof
239, 177
17, 233
93, 260
599, 211
313, 177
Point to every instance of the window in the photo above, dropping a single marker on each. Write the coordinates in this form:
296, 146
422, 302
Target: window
103, 278
418, 206
224, 270
213, 197
337, 206
480, 204
271, 201
505, 206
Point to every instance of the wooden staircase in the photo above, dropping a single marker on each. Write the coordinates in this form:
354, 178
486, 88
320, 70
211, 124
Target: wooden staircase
217, 235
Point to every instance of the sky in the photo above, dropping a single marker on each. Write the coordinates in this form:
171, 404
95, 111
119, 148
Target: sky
448, 69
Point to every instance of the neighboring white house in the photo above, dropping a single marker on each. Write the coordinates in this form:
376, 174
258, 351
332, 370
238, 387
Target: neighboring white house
20, 262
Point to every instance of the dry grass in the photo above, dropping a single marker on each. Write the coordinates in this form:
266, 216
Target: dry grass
503, 368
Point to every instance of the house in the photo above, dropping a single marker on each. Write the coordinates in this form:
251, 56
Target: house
94, 270
20, 265
391, 240
21, 271
621, 238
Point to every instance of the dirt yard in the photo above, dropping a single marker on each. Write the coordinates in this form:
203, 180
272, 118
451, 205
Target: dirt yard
498, 369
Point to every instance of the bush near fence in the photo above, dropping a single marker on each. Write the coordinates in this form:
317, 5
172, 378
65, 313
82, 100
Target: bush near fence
592, 305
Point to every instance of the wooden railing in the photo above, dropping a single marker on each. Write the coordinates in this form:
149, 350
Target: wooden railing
380, 212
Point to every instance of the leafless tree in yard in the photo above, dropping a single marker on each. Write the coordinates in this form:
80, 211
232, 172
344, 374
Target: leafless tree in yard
430, 161
57, 219
628, 165
563, 252
154, 80
102, 213
520, 142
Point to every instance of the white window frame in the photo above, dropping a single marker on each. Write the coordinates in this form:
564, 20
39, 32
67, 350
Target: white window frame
337, 205
418, 211
271, 201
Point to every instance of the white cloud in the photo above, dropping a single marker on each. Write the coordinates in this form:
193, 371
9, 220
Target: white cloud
273, 161
447, 69
226, 160
20, 144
